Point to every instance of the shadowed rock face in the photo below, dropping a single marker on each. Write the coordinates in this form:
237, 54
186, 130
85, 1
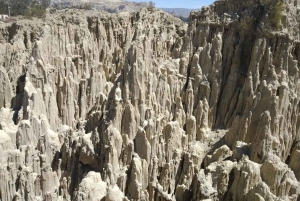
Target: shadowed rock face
141, 106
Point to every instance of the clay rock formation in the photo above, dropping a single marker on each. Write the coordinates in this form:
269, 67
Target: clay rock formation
140, 106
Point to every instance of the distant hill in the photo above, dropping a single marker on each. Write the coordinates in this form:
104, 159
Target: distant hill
179, 12
113, 6
85, 1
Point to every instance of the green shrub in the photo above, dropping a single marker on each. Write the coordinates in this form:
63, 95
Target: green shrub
28, 8
276, 14
35, 11
85, 6
274, 9
151, 6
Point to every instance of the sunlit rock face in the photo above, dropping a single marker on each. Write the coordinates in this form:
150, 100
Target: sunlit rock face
141, 106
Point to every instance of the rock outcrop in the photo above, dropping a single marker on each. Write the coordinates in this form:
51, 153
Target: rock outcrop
140, 106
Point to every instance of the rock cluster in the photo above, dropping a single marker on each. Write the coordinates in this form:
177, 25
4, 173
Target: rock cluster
140, 106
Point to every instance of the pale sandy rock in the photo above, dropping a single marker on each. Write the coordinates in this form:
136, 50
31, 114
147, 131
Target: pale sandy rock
293, 162
246, 175
142, 145
279, 177
6, 89
141, 106
203, 188
174, 139
218, 155
261, 191
91, 188
87, 154
114, 194
5, 141
138, 180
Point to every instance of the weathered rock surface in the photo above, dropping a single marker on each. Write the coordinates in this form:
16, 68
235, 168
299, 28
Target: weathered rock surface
140, 106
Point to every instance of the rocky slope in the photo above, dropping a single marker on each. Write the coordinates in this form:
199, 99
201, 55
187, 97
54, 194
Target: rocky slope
115, 6
141, 106
111, 6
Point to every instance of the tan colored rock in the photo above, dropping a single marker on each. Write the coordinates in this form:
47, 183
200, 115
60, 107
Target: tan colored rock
141, 106
6, 89
246, 176
294, 162
279, 177
91, 188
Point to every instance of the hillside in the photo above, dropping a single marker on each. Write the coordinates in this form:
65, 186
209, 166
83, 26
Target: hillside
115, 6
179, 12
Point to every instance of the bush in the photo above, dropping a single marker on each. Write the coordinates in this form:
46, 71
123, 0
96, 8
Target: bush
151, 6
25, 7
3, 8
85, 6
276, 14
35, 11
274, 9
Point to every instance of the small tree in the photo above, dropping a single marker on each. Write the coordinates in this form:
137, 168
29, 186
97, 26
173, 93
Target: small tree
8, 8
274, 9
276, 14
24, 7
151, 6
5, 7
